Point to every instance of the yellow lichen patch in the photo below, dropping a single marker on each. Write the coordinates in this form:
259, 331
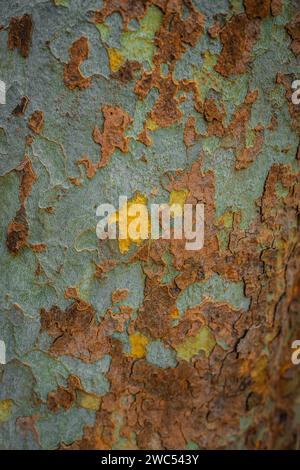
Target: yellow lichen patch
226, 223
5, 410
104, 31
178, 198
272, 335
138, 344
207, 74
192, 345
63, 3
226, 219
141, 220
115, 59
151, 124
259, 375
140, 44
175, 313
88, 400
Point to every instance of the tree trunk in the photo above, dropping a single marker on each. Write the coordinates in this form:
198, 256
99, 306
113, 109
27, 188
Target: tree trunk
137, 342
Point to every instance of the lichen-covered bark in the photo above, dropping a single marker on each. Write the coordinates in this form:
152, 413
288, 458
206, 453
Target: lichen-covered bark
146, 345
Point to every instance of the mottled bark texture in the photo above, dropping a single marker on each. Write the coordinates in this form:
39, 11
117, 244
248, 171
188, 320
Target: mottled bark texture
147, 345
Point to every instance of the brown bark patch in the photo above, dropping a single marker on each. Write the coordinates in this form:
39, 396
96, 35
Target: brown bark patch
237, 133
21, 107
17, 232
238, 37
126, 71
176, 33
257, 8
294, 110
19, 34
119, 295
64, 397
293, 28
276, 7
75, 331
18, 229
36, 121
154, 317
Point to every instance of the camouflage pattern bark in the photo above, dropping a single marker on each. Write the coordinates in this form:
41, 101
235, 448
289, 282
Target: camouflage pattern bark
145, 345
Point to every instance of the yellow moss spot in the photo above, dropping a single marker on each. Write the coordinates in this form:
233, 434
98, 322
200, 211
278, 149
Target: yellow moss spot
138, 344
88, 400
143, 219
192, 345
151, 125
115, 59
6, 407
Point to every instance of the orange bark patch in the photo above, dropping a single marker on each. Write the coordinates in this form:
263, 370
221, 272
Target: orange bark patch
165, 111
73, 77
38, 247
17, 231
214, 116
116, 121
71, 293
28, 177
237, 131
144, 137
119, 295
190, 134
90, 167
128, 9
105, 267
172, 39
